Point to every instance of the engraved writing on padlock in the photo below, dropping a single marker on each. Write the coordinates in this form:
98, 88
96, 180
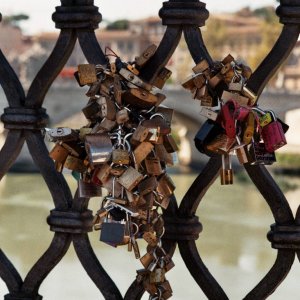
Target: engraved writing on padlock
258, 155
98, 148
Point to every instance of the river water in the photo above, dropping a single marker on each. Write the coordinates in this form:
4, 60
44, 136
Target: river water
233, 243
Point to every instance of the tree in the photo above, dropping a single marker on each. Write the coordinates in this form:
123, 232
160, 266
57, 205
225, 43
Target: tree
15, 19
118, 25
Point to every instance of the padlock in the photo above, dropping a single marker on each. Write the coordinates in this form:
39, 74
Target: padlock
147, 186
102, 173
208, 131
92, 110
94, 90
130, 178
59, 153
201, 67
108, 109
221, 144
166, 290
167, 113
228, 118
106, 125
162, 201
273, 135
141, 60
117, 170
162, 78
258, 155
140, 98
242, 155
157, 276
149, 287
120, 156
122, 116
249, 128
88, 190
142, 151
98, 148
265, 119
166, 186
62, 134
247, 92
135, 80
153, 166
241, 100
75, 164
83, 131
151, 239
157, 120
139, 135
208, 113
169, 263
112, 232
170, 144
226, 172
163, 155
87, 74
147, 259
113, 187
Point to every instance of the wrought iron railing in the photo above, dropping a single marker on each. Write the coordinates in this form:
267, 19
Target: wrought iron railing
25, 117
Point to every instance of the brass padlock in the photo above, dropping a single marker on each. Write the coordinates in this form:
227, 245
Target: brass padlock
140, 134
226, 172
92, 110
163, 155
170, 144
142, 151
63, 134
167, 113
75, 164
59, 153
103, 173
135, 80
166, 290
145, 56
221, 144
149, 287
94, 90
140, 98
98, 148
130, 178
242, 155
83, 131
120, 157
147, 259
166, 186
147, 185
107, 125
151, 238
201, 67
87, 74
250, 95
153, 166
162, 78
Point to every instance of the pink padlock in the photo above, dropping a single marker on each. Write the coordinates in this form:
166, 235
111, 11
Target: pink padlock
273, 135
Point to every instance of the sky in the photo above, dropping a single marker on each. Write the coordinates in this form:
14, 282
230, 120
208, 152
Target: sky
40, 11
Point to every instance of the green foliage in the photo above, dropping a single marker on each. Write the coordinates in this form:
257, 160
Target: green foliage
288, 160
15, 19
118, 25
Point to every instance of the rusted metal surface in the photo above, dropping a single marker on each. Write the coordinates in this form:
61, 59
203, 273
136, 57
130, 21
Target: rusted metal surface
70, 219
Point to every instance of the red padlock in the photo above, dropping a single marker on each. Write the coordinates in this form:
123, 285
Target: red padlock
273, 135
228, 120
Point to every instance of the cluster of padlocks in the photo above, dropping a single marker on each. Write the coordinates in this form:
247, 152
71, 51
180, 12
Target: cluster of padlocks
124, 148
235, 124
